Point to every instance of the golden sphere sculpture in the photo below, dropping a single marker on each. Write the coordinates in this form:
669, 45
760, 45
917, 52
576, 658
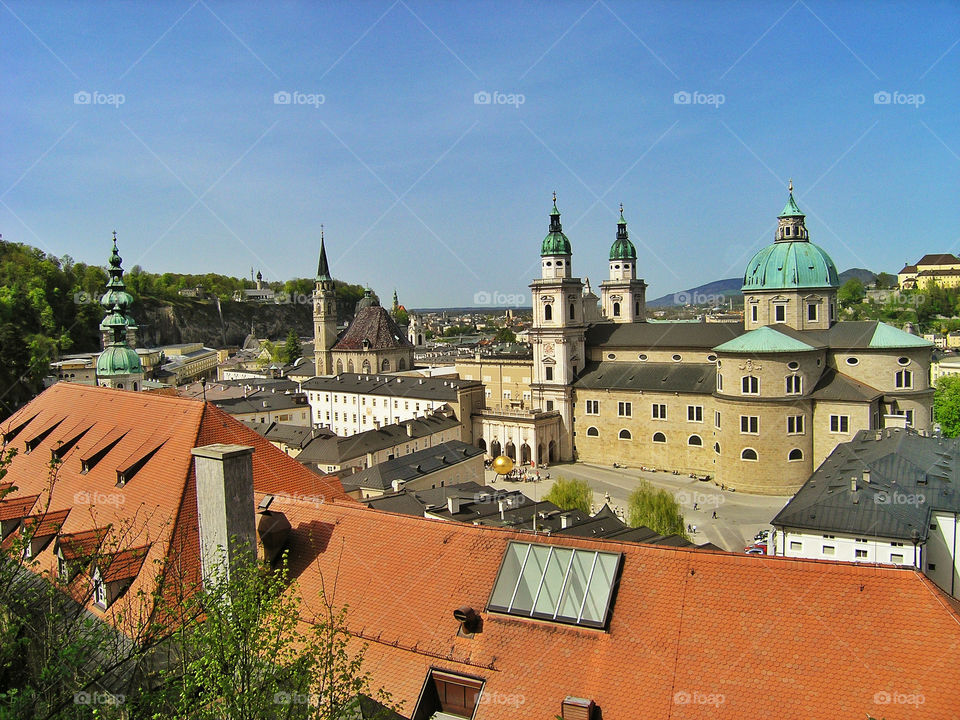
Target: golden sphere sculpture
502, 465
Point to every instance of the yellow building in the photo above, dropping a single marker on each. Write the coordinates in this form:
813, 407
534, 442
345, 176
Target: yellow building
941, 269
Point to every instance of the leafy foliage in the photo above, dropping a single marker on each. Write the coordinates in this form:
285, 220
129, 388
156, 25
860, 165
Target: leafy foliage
291, 349
570, 494
656, 509
946, 405
851, 292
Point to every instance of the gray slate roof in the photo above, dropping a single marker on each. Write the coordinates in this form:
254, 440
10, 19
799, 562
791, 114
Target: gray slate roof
662, 335
412, 466
399, 386
668, 377
835, 385
909, 476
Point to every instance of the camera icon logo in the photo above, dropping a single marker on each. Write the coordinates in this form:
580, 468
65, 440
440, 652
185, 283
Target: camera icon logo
482, 298
881, 98
481, 98
281, 98
681, 97
82, 98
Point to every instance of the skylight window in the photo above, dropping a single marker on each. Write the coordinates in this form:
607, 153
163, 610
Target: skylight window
563, 584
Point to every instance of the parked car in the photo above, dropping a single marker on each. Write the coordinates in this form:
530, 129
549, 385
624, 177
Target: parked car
754, 550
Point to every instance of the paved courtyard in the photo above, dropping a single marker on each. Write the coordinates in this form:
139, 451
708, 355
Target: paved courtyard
739, 515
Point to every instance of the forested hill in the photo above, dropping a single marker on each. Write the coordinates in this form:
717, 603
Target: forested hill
49, 307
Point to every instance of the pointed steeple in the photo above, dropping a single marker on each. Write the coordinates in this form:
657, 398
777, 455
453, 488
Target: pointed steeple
791, 209
323, 268
791, 222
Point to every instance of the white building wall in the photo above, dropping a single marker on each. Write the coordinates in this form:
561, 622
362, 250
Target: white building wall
816, 546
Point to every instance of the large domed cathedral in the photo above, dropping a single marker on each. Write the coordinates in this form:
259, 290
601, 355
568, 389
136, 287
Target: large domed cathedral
757, 405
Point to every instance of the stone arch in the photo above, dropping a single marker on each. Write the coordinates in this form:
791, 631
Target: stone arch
616, 309
593, 432
573, 312
625, 434
365, 368
659, 437
795, 454
749, 454
548, 312
482, 444
402, 365
540, 455
385, 366
349, 366
495, 449
525, 454
695, 440
552, 451
510, 450
339, 367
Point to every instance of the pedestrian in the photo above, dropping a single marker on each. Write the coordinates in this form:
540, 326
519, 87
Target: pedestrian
714, 514
695, 506
689, 528
694, 529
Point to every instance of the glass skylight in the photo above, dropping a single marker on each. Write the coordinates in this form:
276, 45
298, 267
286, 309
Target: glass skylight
563, 584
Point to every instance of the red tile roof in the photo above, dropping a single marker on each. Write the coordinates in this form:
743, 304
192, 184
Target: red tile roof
692, 634
157, 507
45, 524
83, 544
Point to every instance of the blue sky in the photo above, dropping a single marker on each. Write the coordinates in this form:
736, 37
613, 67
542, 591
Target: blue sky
422, 188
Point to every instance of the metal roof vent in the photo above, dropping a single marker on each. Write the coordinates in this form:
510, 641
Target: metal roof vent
470, 622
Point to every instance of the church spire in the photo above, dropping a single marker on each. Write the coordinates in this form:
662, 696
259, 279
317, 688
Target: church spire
323, 268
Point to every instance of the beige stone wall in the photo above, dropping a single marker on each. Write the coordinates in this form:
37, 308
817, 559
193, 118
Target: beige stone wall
879, 368
657, 354
374, 358
825, 440
498, 376
795, 308
771, 370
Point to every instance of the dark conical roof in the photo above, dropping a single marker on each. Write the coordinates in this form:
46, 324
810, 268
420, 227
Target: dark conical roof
323, 268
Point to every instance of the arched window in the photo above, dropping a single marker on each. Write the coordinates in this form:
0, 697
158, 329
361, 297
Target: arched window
795, 454
625, 434
659, 437
339, 367
748, 454
384, 366
548, 312
365, 368
616, 309
750, 385
119, 386
904, 379
636, 308
716, 448
402, 364
349, 366
592, 432
695, 440
573, 312
136, 387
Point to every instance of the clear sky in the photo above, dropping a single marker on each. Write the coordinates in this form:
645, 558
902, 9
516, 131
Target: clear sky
181, 145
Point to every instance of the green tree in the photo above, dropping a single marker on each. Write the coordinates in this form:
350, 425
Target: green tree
946, 405
851, 292
656, 509
401, 317
885, 281
570, 494
291, 349
505, 335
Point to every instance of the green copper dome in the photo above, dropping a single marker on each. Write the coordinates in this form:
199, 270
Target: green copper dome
790, 265
622, 248
555, 243
118, 360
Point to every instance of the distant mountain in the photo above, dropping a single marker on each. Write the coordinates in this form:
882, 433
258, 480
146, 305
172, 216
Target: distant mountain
713, 292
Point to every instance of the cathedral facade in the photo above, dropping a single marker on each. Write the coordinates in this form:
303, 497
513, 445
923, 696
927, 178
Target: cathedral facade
756, 405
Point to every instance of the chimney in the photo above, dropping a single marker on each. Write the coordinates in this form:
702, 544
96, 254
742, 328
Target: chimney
565, 520
225, 508
409, 426
866, 477
453, 504
370, 458
853, 484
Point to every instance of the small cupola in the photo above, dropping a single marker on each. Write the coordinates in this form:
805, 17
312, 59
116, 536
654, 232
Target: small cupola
791, 226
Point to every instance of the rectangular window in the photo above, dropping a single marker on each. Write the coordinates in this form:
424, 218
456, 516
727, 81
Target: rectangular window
753, 313
839, 423
796, 545
909, 416
829, 550
694, 413
896, 558
860, 553
793, 385
624, 409
750, 385
904, 379
812, 309
719, 381
780, 313
659, 411
795, 425
716, 419
548, 373
593, 407
549, 404
750, 424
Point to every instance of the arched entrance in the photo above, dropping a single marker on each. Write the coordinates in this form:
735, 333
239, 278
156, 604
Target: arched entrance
552, 451
511, 451
495, 449
482, 444
540, 456
524, 454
